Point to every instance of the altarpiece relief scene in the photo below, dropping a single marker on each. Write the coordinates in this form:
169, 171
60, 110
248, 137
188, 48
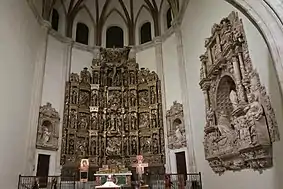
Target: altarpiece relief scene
112, 114
48, 128
240, 121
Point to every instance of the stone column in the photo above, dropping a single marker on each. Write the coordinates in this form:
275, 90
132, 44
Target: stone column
160, 72
240, 88
65, 77
37, 88
185, 98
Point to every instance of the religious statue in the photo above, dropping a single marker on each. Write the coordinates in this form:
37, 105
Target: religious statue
224, 125
74, 97
178, 134
234, 99
83, 123
94, 121
254, 109
94, 98
45, 135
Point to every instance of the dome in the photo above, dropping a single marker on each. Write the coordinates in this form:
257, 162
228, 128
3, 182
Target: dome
111, 23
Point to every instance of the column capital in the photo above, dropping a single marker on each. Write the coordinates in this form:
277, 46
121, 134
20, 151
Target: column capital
157, 40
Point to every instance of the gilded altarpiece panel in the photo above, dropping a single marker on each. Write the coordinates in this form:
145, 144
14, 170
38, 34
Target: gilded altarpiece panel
112, 113
240, 121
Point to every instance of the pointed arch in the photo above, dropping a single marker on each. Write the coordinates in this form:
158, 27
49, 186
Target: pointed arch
118, 12
139, 12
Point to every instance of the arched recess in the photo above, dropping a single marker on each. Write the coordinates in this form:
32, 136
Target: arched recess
114, 37
145, 33
143, 16
169, 18
84, 16
82, 33
115, 18
55, 19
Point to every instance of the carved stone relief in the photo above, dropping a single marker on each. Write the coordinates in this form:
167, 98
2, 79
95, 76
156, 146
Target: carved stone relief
240, 122
176, 127
48, 128
112, 113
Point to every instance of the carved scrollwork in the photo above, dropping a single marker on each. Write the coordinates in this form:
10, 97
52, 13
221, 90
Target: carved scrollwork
112, 113
240, 121
48, 128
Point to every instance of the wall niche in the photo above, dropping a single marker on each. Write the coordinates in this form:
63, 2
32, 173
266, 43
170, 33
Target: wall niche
240, 121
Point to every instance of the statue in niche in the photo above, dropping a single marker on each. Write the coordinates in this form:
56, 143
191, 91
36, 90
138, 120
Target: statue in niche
125, 78
155, 144
45, 135
82, 146
119, 121
94, 120
234, 99
126, 123
85, 76
153, 95
112, 123
125, 97
132, 78
134, 146
133, 96
125, 146
74, 97
154, 120
94, 98
93, 146
83, 123
117, 78
110, 75
113, 147
210, 117
95, 78
178, 134
73, 118
134, 120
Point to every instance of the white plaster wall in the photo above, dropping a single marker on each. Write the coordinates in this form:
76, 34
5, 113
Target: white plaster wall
52, 161
20, 36
80, 59
199, 18
147, 59
171, 72
53, 77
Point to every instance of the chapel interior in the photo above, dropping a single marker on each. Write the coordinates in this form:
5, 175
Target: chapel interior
141, 94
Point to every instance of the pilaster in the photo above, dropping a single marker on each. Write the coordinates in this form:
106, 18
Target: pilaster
65, 77
185, 97
37, 88
160, 72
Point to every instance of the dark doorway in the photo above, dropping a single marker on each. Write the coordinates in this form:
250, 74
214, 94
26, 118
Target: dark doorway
43, 169
55, 19
82, 33
181, 164
169, 18
146, 33
114, 37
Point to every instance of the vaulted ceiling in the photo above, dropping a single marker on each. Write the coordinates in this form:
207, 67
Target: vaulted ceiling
100, 10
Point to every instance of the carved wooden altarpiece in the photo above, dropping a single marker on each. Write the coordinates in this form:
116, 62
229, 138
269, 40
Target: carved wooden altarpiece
112, 113
240, 122
176, 127
48, 128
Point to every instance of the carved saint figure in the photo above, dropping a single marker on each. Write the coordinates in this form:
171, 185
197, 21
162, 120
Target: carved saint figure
93, 147
45, 135
234, 99
73, 118
254, 109
178, 134
96, 78
134, 121
133, 98
93, 121
210, 117
83, 123
134, 146
224, 125
94, 96
153, 95
74, 97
